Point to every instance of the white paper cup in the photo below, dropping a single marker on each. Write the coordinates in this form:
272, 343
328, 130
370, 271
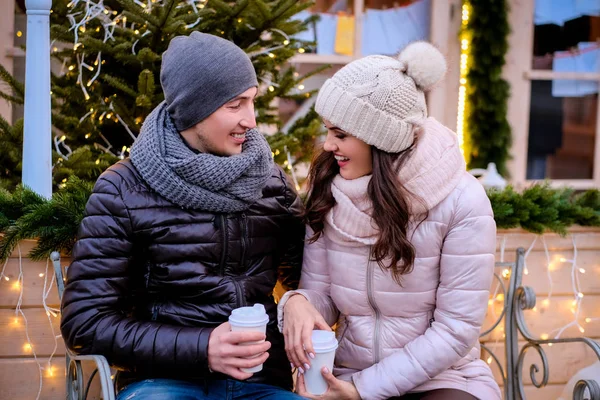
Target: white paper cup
250, 319
324, 344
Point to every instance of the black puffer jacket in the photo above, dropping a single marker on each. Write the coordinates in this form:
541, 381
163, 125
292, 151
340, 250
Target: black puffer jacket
150, 280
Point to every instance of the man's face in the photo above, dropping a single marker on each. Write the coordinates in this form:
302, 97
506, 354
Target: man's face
224, 131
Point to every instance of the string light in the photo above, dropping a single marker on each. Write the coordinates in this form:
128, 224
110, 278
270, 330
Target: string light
553, 262
28, 346
462, 89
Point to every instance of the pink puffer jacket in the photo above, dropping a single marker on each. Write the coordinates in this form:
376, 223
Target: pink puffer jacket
422, 335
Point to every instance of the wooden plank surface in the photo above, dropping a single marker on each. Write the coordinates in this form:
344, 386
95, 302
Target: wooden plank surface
561, 267
586, 239
14, 341
33, 283
564, 361
557, 314
19, 379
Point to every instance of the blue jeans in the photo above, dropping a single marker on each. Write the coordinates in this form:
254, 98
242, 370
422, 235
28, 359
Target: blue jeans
229, 389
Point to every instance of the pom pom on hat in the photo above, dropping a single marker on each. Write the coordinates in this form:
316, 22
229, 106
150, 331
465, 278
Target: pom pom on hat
425, 64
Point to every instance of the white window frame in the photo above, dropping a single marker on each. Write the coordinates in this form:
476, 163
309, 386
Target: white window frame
445, 24
519, 74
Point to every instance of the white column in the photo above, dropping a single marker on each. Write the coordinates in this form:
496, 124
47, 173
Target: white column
37, 136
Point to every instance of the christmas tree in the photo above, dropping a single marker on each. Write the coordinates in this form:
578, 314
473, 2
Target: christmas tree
110, 57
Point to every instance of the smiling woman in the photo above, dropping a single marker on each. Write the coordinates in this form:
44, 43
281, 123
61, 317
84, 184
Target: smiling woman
353, 156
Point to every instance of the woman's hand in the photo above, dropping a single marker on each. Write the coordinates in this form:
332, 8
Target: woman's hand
338, 389
299, 320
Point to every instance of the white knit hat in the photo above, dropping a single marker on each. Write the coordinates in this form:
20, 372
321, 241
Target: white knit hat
380, 99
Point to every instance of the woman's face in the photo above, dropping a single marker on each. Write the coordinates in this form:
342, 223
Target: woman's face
352, 154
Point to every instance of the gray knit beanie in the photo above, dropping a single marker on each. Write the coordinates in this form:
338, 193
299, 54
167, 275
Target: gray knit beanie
200, 73
380, 99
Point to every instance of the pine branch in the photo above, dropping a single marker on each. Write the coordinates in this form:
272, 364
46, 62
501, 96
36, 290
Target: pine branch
17, 87
119, 84
132, 10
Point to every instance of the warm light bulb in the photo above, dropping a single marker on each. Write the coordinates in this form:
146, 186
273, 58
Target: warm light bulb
582, 270
505, 273
489, 360
301, 87
271, 89
301, 50
7, 278
490, 302
97, 161
286, 42
550, 344
42, 275
544, 336
16, 285
581, 330
546, 302
27, 347
588, 320
526, 271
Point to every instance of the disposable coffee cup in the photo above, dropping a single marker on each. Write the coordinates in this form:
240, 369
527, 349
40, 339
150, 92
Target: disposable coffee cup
324, 344
250, 319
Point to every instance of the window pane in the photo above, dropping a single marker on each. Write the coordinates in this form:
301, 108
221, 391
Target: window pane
387, 26
566, 35
562, 133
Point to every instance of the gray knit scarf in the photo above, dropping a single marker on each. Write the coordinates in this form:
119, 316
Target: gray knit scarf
200, 181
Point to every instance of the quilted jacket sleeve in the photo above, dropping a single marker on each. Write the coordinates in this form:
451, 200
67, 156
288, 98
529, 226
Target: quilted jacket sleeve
94, 306
291, 259
466, 272
314, 283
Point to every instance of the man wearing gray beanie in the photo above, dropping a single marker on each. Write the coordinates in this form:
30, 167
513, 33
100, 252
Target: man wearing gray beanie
197, 223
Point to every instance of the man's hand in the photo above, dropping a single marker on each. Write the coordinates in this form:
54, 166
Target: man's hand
227, 354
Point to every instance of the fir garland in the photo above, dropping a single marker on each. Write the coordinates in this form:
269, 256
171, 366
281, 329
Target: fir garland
25, 215
487, 132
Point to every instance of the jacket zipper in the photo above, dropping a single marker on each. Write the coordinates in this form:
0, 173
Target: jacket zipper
241, 301
155, 309
370, 270
244, 224
223, 218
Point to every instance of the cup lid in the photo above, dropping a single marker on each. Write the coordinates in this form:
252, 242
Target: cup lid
323, 341
249, 316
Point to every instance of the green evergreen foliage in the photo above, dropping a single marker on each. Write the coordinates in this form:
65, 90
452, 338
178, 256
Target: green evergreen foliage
487, 132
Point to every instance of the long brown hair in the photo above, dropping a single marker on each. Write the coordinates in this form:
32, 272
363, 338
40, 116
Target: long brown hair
391, 211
